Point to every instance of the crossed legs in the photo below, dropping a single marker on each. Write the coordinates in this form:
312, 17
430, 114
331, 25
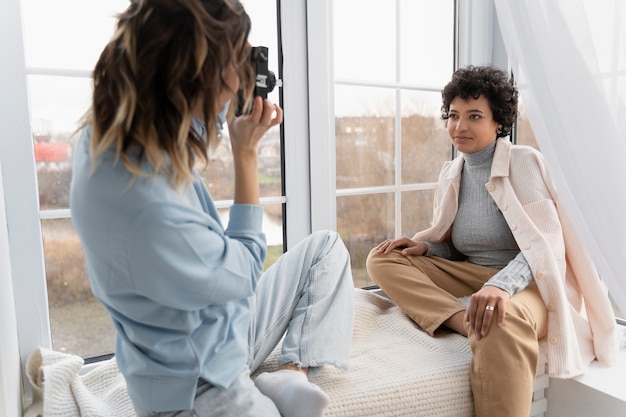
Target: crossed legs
504, 362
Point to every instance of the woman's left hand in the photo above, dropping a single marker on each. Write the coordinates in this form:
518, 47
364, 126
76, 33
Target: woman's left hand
484, 304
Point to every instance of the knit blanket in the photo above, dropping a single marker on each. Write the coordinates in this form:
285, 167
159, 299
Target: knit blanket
397, 370
60, 390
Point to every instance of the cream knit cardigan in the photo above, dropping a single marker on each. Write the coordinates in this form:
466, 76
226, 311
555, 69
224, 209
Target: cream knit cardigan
581, 323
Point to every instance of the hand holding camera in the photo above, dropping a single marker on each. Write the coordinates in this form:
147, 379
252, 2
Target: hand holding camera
265, 80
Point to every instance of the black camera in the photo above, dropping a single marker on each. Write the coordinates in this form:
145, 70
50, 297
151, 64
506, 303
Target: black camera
265, 80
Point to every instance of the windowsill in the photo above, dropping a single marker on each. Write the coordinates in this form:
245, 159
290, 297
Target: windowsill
610, 380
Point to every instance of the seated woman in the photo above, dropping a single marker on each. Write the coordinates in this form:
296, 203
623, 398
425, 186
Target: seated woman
500, 235
193, 310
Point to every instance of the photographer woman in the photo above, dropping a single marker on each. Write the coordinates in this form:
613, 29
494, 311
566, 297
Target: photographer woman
499, 235
193, 311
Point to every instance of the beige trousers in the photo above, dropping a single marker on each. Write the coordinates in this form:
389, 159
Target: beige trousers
504, 362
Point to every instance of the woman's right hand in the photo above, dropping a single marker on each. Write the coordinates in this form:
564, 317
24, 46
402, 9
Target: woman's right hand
408, 247
247, 130
245, 133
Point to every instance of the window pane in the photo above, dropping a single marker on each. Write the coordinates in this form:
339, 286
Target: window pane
365, 143
425, 141
67, 34
56, 103
417, 211
53, 177
363, 222
219, 175
78, 322
426, 63
270, 164
364, 101
364, 40
272, 227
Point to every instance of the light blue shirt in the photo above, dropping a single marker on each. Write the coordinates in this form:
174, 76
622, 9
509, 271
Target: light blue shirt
177, 285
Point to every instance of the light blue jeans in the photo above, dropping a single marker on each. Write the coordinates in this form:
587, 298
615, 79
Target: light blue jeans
307, 296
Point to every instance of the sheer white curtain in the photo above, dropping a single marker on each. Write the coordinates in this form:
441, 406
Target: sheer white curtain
569, 57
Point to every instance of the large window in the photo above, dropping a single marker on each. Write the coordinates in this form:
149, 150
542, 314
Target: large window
60, 51
363, 145
390, 64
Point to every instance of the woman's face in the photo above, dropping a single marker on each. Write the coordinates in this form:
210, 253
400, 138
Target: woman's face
470, 124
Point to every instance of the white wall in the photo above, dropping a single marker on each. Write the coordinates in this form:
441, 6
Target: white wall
10, 396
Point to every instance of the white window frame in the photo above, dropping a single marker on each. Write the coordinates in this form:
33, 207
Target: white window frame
19, 177
322, 114
478, 35
478, 42
296, 125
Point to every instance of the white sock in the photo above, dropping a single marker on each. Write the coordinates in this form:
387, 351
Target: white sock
292, 393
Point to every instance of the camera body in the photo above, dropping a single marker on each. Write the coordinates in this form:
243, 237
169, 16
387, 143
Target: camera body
264, 80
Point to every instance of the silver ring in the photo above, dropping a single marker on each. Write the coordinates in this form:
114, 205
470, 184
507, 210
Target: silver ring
490, 308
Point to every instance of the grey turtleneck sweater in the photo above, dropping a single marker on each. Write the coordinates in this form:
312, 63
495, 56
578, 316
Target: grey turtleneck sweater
480, 233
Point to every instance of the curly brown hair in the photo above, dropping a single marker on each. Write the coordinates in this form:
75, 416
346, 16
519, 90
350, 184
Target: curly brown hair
493, 84
165, 57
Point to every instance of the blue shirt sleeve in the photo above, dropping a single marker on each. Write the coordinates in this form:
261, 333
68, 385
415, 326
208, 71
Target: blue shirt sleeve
183, 259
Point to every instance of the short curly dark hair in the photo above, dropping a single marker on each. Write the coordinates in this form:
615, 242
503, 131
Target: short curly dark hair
492, 83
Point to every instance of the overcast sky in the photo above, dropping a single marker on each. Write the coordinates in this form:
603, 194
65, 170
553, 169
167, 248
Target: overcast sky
70, 34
